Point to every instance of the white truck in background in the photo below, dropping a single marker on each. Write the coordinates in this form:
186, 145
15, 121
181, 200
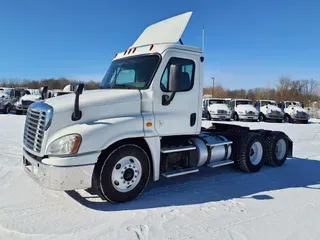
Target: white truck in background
294, 112
29, 97
269, 111
243, 109
8, 97
137, 127
215, 109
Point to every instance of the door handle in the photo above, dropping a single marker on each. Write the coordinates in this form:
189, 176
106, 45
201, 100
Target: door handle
193, 118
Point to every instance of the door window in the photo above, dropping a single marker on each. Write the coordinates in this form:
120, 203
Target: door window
187, 74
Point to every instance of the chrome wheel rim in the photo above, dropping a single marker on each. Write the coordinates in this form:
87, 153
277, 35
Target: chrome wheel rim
126, 174
280, 149
256, 152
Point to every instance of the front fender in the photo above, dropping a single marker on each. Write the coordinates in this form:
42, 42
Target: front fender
100, 134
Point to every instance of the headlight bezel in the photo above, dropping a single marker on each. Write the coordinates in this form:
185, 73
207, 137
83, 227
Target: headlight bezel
74, 149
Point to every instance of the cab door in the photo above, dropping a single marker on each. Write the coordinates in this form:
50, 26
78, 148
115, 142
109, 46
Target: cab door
182, 115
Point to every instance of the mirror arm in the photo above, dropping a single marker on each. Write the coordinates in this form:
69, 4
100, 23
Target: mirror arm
166, 100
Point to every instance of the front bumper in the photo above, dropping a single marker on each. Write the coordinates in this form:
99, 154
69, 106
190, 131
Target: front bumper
220, 116
248, 117
299, 118
21, 108
58, 177
274, 117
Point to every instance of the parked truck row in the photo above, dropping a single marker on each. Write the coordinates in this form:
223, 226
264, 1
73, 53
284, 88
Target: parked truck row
18, 99
261, 110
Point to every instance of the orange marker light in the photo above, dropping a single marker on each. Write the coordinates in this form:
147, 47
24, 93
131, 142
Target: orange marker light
134, 50
129, 51
151, 47
149, 124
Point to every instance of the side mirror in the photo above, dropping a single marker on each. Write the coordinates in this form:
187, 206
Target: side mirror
175, 78
43, 92
174, 84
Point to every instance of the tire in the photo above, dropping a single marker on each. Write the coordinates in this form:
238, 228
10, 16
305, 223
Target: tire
18, 112
208, 116
126, 166
279, 121
252, 144
287, 119
262, 118
275, 141
236, 117
6, 109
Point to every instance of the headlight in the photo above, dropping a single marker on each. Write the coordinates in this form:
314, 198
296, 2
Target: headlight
68, 144
213, 112
240, 112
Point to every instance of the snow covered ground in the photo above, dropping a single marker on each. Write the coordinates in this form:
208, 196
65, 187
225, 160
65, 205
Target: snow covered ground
276, 203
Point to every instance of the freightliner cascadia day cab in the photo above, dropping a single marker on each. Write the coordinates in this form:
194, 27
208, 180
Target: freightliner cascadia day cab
144, 123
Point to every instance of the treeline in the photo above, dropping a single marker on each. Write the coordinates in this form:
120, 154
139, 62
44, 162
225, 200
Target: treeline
52, 83
305, 91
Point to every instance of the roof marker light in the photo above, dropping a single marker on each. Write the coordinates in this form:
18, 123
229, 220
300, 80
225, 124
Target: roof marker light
134, 50
125, 52
115, 55
129, 51
151, 47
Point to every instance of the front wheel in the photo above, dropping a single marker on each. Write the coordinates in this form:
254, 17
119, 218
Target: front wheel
262, 118
123, 174
6, 109
236, 117
287, 119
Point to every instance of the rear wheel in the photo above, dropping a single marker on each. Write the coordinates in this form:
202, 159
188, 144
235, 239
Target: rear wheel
276, 149
251, 157
123, 175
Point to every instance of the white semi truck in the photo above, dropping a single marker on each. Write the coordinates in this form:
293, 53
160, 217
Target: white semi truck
215, 109
294, 112
269, 111
243, 109
144, 123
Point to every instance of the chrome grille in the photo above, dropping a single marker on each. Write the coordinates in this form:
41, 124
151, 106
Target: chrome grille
38, 120
275, 113
34, 129
251, 113
26, 102
222, 112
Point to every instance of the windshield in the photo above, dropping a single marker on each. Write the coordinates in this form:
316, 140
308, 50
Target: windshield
243, 102
292, 103
217, 101
131, 73
263, 103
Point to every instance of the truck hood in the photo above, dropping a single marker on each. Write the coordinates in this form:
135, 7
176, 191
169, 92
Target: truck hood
297, 108
246, 107
214, 107
93, 98
30, 98
271, 107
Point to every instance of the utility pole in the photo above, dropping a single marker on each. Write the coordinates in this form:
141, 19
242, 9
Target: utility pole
212, 85
202, 39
